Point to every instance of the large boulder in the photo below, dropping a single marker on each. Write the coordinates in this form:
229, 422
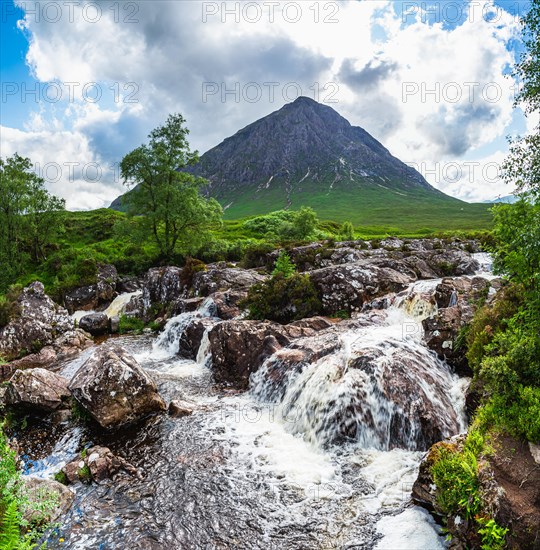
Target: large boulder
457, 300
96, 324
114, 389
219, 277
37, 390
191, 337
346, 287
38, 322
162, 286
66, 346
240, 347
90, 297
509, 482
39, 493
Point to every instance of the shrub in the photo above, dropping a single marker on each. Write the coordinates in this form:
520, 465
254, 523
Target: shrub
347, 231
284, 265
283, 299
191, 267
129, 323
8, 305
256, 255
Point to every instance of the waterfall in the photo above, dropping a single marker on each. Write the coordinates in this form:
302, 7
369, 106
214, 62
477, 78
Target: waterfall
118, 305
382, 389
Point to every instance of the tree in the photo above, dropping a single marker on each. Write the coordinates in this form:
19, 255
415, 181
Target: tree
173, 211
522, 167
284, 265
29, 216
305, 222
347, 231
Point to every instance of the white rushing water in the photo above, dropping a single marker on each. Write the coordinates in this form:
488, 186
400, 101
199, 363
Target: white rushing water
335, 443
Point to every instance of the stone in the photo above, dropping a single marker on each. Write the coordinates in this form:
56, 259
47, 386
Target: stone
37, 390
179, 408
38, 323
96, 324
39, 493
114, 389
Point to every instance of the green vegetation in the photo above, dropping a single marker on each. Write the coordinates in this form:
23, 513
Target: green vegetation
29, 217
131, 324
17, 532
284, 265
167, 201
283, 299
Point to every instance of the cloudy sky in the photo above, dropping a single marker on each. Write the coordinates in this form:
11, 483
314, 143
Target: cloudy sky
84, 82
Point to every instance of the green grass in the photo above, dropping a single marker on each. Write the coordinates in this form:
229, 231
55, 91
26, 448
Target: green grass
378, 210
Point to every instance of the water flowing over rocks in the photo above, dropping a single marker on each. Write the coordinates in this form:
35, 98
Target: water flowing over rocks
114, 389
510, 488
37, 390
38, 322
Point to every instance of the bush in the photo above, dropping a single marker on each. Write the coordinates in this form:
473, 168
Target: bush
283, 299
256, 255
284, 265
130, 324
8, 305
191, 267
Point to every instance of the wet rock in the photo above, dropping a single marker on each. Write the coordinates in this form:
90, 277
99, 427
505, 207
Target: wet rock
509, 482
346, 287
37, 390
96, 324
179, 408
191, 338
218, 277
240, 347
67, 346
162, 286
227, 304
90, 297
129, 284
457, 300
40, 492
114, 389
98, 463
114, 324
185, 305
38, 322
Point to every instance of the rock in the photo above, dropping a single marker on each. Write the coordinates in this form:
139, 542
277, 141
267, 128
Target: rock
509, 481
96, 324
90, 297
346, 287
179, 408
114, 389
37, 389
227, 304
37, 324
191, 337
457, 301
240, 347
162, 286
39, 493
129, 284
114, 324
185, 305
220, 278
98, 463
66, 346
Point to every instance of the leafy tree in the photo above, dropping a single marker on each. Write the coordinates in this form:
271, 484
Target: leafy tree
347, 231
29, 216
284, 265
522, 167
174, 212
305, 223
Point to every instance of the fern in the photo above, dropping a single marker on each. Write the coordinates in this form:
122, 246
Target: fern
9, 529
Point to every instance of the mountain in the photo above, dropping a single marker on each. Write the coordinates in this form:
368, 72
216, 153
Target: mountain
506, 199
308, 154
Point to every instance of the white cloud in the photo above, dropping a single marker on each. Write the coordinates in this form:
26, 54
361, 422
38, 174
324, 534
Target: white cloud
162, 61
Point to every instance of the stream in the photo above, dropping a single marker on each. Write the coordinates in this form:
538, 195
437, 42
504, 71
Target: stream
269, 468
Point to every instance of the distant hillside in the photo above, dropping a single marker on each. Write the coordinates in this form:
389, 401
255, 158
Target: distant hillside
307, 154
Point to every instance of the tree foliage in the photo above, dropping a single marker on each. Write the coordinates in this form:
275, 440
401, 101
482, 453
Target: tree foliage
29, 217
174, 212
